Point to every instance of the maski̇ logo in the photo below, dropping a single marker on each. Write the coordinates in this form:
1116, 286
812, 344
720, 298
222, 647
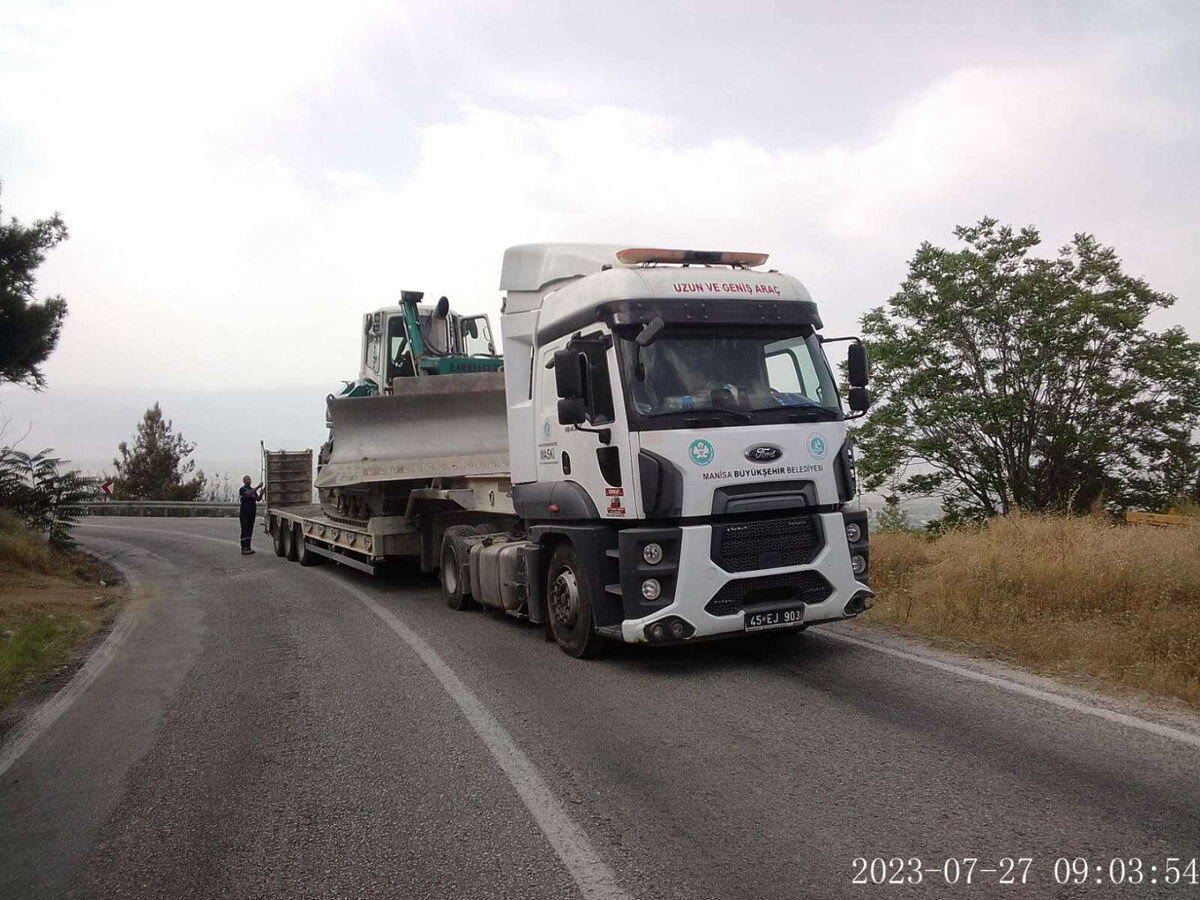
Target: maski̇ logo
763, 453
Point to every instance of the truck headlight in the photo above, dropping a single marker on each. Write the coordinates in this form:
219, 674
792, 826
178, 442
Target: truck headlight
853, 532
652, 553
651, 588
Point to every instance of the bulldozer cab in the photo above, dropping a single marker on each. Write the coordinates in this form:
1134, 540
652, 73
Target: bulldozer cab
420, 339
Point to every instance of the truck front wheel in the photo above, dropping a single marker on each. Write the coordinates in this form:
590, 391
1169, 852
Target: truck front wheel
453, 572
569, 604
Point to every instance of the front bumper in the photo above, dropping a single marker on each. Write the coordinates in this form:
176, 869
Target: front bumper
701, 586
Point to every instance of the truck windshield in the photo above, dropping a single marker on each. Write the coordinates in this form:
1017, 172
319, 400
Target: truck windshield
740, 370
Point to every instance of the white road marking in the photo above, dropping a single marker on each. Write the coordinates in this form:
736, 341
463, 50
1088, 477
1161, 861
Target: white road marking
1016, 687
22, 737
595, 879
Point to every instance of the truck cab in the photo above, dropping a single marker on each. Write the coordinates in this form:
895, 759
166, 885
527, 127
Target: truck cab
674, 421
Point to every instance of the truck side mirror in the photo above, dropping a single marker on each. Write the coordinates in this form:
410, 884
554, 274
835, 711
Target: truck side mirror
856, 362
860, 400
568, 373
572, 411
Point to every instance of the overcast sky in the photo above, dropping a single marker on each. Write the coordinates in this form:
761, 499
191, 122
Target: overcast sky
242, 179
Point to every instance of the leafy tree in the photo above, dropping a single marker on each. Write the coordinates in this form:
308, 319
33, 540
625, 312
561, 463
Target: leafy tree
49, 501
1005, 381
29, 329
891, 519
157, 466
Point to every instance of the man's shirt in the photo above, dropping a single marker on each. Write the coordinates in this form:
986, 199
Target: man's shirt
249, 498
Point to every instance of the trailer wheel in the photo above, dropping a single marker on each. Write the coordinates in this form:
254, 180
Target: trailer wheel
303, 552
289, 543
569, 605
278, 527
455, 588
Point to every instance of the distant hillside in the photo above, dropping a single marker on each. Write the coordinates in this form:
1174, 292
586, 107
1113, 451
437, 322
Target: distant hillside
85, 424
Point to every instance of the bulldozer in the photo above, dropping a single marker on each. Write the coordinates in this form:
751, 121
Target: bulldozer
425, 374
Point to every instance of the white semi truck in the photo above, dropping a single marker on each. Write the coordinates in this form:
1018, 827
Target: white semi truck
659, 455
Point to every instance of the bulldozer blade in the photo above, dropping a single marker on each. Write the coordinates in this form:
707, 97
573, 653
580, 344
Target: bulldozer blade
434, 426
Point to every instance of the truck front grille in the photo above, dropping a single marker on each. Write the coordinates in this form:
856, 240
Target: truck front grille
769, 544
743, 593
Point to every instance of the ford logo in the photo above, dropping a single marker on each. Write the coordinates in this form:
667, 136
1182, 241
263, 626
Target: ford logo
761, 453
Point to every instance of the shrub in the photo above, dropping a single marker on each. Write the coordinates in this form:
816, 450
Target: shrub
47, 500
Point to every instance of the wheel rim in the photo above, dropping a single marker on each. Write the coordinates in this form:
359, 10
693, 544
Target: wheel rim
564, 598
449, 572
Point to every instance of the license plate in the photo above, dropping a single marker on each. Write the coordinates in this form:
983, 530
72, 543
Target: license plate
775, 618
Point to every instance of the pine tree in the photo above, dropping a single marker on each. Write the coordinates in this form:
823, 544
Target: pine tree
157, 466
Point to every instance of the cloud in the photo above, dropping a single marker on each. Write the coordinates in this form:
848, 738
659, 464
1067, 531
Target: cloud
1024, 142
214, 243
354, 181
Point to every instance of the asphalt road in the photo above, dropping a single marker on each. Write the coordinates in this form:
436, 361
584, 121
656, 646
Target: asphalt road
271, 731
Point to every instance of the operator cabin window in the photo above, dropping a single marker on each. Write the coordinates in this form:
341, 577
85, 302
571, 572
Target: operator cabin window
476, 336
400, 364
371, 357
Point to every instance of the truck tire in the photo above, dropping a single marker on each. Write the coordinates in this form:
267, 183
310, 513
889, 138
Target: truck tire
304, 553
569, 604
278, 527
455, 587
289, 543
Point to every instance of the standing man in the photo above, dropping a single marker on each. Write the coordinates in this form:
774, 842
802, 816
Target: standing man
249, 497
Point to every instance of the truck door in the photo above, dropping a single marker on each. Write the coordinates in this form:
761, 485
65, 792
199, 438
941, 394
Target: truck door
593, 452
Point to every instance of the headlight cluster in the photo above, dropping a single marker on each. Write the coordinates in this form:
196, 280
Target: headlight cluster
856, 539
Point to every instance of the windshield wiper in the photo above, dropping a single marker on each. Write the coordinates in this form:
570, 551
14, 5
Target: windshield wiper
698, 421
810, 414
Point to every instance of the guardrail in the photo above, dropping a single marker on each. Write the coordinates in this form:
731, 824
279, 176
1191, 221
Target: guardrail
161, 508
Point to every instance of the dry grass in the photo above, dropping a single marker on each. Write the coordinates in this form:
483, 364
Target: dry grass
1063, 596
49, 602
21, 550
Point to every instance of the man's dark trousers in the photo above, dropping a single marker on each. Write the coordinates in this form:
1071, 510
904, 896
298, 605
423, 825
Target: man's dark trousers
247, 516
